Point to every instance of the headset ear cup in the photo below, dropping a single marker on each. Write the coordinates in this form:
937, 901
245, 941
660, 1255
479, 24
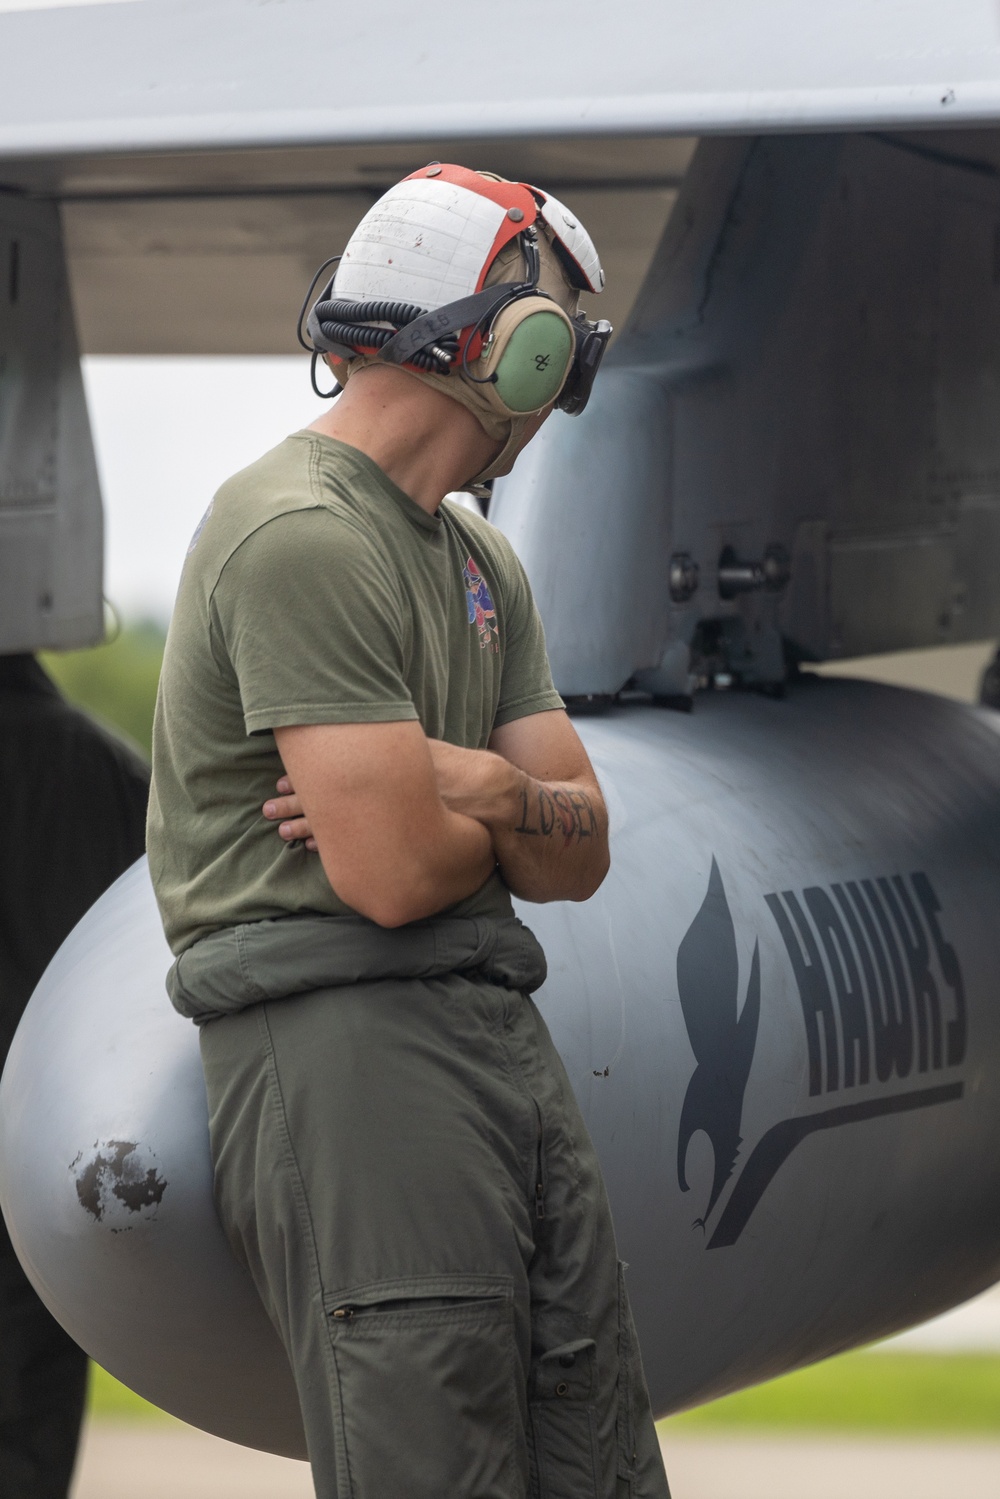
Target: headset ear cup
529, 356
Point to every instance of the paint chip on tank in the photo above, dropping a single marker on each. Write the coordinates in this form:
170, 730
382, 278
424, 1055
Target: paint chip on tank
119, 1178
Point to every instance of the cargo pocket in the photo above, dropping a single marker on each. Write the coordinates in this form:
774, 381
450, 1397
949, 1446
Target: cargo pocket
627, 1359
428, 1402
564, 1457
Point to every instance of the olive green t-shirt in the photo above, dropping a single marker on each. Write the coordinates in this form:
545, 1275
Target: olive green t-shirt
316, 591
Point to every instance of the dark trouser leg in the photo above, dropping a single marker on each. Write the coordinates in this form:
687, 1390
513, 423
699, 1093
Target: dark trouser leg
579, 1297
378, 1155
43, 1383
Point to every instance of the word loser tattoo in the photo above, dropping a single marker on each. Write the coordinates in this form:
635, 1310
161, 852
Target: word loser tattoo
560, 810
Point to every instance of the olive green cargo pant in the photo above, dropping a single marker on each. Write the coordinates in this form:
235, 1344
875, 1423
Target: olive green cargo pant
402, 1166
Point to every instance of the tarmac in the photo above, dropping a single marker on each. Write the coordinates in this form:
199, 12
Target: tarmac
137, 1462
773, 1467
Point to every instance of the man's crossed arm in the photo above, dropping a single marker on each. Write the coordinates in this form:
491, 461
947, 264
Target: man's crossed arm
406, 826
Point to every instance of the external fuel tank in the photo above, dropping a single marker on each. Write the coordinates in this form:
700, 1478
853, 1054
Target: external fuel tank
779, 1014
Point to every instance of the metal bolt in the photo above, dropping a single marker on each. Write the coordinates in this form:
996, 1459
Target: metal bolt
682, 577
737, 577
515, 215
434, 170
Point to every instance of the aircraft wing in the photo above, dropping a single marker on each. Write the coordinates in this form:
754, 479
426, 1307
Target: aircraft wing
181, 75
208, 154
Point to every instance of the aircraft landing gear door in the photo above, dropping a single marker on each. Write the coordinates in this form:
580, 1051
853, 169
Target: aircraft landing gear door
51, 530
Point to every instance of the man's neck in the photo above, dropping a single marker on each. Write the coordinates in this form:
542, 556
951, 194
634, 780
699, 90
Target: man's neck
425, 442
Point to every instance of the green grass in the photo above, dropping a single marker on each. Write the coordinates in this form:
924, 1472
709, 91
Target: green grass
859, 1392
885, 1392
107, 1400
115, 682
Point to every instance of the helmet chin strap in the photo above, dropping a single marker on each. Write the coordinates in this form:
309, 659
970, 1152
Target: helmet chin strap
502, 462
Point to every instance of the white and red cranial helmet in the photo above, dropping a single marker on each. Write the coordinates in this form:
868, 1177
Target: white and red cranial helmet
472, 283
432, 238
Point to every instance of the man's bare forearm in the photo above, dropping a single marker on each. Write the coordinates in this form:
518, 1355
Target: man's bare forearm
443, 870
557, 845
550, 837
390, 846
425, 876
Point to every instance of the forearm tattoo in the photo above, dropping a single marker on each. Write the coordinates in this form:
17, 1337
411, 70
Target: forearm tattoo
563, 809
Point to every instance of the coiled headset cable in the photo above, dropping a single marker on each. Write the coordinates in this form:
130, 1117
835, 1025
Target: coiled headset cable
358, 327
324, 395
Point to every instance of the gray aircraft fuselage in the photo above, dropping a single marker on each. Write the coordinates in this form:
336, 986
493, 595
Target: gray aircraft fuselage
795, 450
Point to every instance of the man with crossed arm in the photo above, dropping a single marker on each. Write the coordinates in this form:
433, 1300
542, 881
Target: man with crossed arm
399, 1159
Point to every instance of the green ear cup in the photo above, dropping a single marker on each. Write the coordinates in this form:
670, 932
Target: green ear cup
533, 366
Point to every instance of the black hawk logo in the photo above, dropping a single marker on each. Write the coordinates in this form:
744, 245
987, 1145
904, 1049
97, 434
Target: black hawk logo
722, 1036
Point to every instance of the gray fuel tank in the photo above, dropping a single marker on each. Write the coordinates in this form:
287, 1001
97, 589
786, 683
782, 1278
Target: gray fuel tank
779, 1015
